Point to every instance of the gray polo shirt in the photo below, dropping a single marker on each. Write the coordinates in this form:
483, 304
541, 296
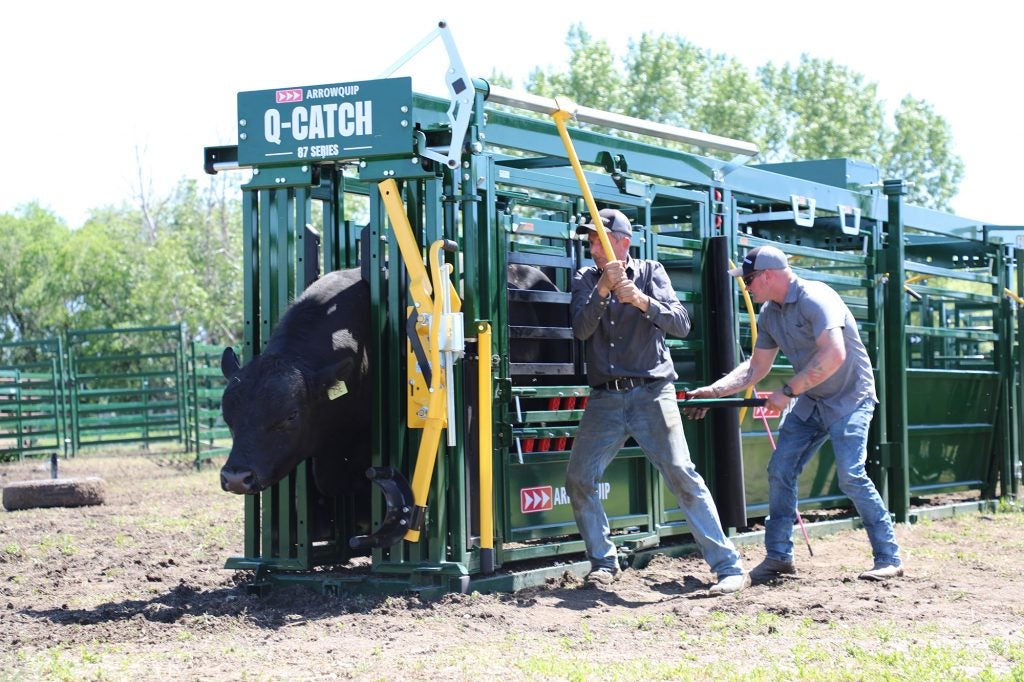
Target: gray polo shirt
621, 340
808, 310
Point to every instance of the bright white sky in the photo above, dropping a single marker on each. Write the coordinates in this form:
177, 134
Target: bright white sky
89, 85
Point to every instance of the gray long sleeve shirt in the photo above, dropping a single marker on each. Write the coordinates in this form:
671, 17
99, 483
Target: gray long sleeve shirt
622, 341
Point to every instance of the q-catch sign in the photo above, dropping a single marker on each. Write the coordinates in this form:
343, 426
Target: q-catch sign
359, 120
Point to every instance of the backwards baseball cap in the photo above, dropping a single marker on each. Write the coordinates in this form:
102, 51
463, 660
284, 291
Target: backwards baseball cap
761, 258
614, 221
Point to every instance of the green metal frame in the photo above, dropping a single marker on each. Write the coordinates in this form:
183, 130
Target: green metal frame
514, 199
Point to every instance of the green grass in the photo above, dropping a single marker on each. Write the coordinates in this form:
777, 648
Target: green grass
64, 543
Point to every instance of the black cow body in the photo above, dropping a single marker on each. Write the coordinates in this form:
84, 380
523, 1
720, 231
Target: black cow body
524, 314
284, 405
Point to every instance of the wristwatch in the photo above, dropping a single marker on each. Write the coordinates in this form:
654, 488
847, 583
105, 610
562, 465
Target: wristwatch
787, 391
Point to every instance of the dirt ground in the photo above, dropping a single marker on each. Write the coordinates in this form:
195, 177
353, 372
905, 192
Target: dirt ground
134, 589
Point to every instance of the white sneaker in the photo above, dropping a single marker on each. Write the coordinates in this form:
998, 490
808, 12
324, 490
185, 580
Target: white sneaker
729, 584
882, 572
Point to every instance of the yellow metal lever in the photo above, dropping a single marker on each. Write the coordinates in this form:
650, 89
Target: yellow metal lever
435, 297
566, 110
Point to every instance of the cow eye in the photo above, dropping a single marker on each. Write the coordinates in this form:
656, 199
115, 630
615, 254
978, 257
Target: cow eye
287, 422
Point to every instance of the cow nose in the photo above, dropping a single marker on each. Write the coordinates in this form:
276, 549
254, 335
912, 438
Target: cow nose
241, 482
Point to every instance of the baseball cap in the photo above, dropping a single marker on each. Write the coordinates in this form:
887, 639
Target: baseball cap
614, 221
761, 258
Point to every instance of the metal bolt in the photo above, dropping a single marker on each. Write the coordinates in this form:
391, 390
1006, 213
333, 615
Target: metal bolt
305, 168
242, 122
255, 171
405, 109
476, 147
415, 160
243, 136
362, 164
405, 124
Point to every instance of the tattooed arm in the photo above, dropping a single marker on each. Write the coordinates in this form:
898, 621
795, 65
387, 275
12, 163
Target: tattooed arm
830, 356
747, 373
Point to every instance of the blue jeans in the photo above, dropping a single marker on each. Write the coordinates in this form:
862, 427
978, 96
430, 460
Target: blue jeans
799, 440
649, 414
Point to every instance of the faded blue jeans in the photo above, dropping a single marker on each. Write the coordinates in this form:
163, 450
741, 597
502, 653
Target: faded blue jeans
799, 440
650, 414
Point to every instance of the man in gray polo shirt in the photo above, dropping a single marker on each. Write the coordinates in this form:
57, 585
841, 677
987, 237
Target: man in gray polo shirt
831, 395
623, 308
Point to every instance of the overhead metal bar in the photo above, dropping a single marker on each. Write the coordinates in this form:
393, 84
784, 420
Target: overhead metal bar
548, 106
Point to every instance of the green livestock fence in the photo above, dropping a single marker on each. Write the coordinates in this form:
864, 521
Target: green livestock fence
127, 385
209, 436
92, 388
33, 405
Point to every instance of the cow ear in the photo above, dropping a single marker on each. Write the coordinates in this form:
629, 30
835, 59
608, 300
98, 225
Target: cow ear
331, 379
229, 363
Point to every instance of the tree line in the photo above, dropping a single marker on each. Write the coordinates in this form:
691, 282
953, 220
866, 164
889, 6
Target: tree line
145, 263
816, 109
156, 261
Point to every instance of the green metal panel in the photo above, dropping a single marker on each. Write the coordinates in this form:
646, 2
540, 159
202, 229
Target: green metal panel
540, 506
951, 427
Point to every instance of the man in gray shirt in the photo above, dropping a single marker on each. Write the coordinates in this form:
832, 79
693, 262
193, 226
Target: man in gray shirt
836, 388
623, 308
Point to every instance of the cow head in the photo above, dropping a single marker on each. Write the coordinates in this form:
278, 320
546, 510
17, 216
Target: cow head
271, 406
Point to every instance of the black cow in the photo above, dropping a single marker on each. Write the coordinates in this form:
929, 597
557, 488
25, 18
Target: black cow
532, 315
306, 394
287, 404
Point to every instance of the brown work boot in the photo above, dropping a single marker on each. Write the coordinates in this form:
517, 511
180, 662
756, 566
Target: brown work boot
602, 576
770, 569
882, 572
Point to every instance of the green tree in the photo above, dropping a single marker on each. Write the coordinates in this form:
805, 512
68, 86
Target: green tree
30, 241
165, 261
827, 110
95, 272
922, 150
194, 272
592, 78
666, 79
816, 109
